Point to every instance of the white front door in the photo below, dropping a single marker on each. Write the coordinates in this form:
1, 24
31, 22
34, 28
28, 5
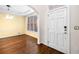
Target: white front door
58, 30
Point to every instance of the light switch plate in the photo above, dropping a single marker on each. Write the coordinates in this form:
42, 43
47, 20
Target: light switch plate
76, 27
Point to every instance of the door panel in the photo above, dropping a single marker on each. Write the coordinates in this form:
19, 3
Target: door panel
57, 30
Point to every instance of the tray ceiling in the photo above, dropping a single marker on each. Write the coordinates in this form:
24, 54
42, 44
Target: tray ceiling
17, 9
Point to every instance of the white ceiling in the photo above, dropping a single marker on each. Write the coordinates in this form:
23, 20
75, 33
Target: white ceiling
17, 9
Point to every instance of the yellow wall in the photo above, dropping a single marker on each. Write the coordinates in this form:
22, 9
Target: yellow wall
33, 34
15, 26
11, 27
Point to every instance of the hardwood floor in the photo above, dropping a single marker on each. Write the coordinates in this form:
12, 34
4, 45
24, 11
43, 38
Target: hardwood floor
24, 44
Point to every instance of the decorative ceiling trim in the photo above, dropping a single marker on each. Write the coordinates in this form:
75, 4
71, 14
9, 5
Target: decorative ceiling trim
8, 9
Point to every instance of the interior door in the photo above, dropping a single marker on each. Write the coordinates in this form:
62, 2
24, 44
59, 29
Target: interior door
52, 41
58, 30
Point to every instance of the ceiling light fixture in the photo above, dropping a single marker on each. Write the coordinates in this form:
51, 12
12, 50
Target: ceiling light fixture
8, 16
8, 7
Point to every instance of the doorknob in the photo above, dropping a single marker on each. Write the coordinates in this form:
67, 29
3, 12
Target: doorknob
65, 28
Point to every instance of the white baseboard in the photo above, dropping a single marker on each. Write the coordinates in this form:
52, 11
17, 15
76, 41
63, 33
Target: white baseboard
10, 36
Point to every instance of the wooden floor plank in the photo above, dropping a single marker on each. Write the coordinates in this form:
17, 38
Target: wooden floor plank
24, 44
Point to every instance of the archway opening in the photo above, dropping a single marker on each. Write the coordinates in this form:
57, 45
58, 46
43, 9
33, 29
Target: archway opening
26, 12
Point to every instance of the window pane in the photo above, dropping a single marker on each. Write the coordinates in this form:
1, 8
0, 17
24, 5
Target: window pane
32, 23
